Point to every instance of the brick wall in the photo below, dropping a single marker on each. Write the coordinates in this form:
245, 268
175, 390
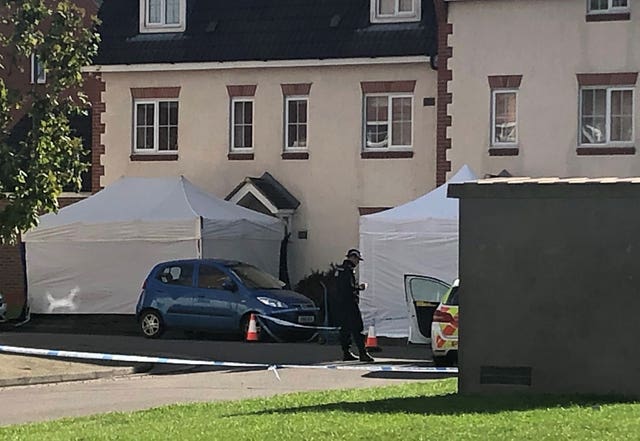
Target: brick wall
445, 75
12, 272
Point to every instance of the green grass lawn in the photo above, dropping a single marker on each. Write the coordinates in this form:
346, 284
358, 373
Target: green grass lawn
414, 411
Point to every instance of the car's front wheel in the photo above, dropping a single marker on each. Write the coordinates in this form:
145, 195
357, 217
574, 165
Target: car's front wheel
151, 324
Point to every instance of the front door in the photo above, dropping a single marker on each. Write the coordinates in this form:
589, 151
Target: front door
423, 295
214, 308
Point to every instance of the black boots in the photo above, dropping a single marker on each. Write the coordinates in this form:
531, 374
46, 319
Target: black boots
366, 357
348, 356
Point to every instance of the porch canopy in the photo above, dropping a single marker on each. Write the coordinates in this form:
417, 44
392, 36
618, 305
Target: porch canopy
417, 238
93, 256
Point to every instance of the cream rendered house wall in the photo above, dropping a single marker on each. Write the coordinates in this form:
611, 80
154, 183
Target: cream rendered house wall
547, 42
331, 184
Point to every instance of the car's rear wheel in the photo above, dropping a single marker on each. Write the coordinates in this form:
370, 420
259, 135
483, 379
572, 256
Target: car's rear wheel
151, 324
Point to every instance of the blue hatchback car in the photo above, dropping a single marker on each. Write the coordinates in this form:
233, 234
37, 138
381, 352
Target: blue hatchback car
216, 296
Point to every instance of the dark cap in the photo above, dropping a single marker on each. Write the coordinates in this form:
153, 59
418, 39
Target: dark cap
354, 253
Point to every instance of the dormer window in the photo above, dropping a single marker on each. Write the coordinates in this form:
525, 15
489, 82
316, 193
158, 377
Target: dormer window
163, 15
394, 11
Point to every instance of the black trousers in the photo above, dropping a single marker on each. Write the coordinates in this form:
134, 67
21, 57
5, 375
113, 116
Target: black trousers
347, 334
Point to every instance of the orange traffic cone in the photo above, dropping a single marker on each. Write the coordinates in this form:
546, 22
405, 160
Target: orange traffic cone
252, 332
372, 341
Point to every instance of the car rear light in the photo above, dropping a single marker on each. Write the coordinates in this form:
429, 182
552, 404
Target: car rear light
442, 317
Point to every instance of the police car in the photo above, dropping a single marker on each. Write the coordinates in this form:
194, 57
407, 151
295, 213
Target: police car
444, 328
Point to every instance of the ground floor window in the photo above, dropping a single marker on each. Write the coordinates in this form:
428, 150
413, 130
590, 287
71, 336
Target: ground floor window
606, 115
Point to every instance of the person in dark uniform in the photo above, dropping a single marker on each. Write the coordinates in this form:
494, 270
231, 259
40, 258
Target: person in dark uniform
348, 311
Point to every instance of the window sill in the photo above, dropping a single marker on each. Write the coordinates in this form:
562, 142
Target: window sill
376, 19
609, 16
295, 155
504, 151
156, 157
240, 156
162, 28
605, 151
388, 154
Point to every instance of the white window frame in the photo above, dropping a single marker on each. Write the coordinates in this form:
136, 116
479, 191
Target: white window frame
232, 147
389, 146
607, 122
610, 8
147, 27
156, 126
396, 17
493, 142
41, 79
287, 100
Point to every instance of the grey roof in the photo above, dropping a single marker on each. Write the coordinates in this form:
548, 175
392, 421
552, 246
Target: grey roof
272, 190
256, 30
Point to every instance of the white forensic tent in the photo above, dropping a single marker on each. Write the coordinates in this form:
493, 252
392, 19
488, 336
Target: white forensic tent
93, 256
417, 238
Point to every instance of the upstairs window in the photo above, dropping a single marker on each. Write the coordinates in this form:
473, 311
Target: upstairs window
162, 15
241, 124
388, 122
385, 11
296, 123
606, 115
504, 119
600, 6
156, 126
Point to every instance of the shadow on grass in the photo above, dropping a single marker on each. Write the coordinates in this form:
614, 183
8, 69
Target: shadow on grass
408, 375
453, 404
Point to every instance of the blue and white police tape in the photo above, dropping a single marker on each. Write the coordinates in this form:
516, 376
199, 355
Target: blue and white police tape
231, 364
281, 322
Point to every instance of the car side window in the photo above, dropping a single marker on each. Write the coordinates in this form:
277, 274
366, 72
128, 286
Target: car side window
210, 277
452, 300
179, 274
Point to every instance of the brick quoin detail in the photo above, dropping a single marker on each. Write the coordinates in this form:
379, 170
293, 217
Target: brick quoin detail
247, 90
445, 75
96, 88
296, 89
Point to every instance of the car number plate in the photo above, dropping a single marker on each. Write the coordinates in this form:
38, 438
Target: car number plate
306, 319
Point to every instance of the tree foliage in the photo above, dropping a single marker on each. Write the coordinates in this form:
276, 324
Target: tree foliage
36, 168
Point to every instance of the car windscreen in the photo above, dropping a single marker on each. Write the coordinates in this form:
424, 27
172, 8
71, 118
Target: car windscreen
452, 298
254, 278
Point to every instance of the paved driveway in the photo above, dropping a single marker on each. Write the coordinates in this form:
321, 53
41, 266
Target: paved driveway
176, 384
272, 353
